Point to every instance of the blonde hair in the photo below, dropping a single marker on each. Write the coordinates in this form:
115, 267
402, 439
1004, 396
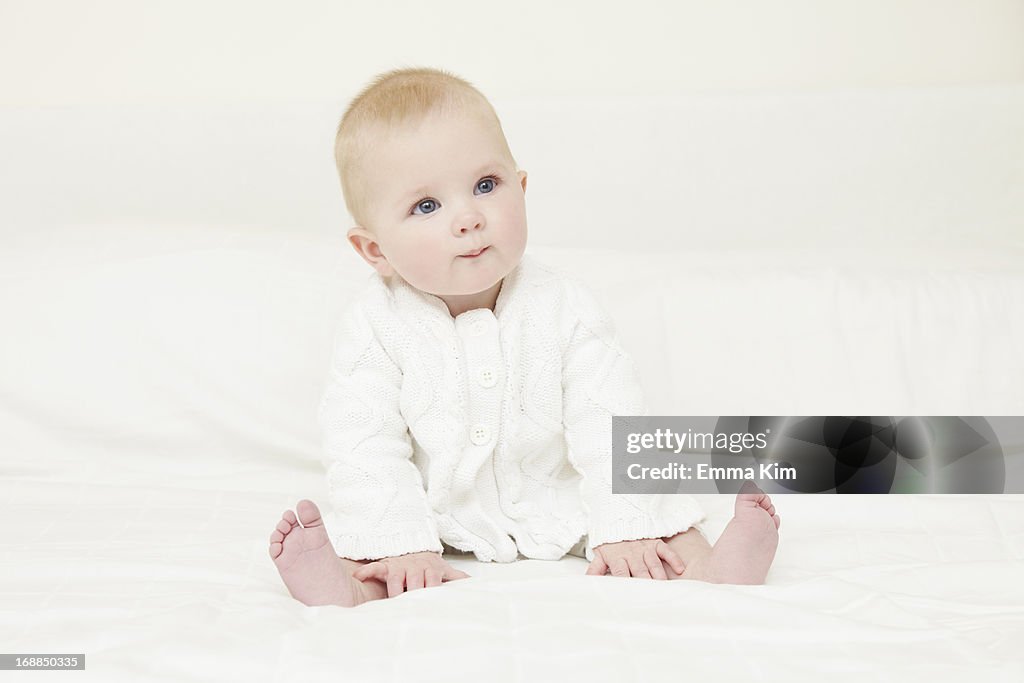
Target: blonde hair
392, 99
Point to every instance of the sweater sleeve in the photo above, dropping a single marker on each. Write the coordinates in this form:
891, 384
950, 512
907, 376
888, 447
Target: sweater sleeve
379, 505
598, 382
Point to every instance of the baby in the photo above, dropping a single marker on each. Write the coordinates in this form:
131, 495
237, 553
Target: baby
471, 389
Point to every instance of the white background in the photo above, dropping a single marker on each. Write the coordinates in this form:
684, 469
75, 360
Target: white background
643, 125
70, 52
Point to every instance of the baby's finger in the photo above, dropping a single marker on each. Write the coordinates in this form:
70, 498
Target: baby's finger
666, 553
637, 567
432, 577
451, 573
597, 566
396, 583
619, 567
374, 570
654, 565
414, 579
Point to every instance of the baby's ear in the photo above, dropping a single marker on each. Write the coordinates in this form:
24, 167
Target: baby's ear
365, 244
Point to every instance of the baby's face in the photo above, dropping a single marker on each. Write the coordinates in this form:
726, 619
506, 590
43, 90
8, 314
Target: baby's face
439, 190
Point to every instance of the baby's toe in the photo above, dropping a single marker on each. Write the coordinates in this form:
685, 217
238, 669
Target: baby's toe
764, 501
309, 513
289, 516
749, 488
284, 527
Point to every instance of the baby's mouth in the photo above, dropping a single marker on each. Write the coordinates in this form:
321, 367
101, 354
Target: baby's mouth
474, 254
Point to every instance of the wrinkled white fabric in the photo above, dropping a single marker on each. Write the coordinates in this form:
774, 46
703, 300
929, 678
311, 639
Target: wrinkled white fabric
490, 431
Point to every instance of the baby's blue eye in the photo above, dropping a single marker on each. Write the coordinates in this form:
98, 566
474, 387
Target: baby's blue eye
426, 206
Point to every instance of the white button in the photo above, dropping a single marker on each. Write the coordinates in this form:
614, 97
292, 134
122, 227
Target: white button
487, 377
478, 328
480, 435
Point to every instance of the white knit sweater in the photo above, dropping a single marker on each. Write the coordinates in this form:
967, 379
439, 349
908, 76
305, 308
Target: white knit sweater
489, 431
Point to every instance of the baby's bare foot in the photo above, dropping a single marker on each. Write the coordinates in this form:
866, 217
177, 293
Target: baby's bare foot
306, 561
746, 548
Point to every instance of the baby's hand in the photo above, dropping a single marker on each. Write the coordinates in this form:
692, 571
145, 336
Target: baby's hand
409, 572
641, 559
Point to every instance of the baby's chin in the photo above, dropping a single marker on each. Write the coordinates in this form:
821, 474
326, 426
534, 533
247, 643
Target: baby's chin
467, 284
465, 290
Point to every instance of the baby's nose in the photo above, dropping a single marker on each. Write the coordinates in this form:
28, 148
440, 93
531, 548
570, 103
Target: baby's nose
469, 222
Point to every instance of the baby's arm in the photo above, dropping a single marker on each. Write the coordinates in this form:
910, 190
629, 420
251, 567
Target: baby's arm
599, 381
376, 491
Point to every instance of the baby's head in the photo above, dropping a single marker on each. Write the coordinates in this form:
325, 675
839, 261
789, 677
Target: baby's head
428, 177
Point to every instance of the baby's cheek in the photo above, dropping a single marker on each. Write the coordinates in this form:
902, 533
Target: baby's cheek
420, 260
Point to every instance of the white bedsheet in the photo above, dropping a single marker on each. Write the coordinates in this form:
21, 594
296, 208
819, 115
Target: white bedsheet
173, 582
